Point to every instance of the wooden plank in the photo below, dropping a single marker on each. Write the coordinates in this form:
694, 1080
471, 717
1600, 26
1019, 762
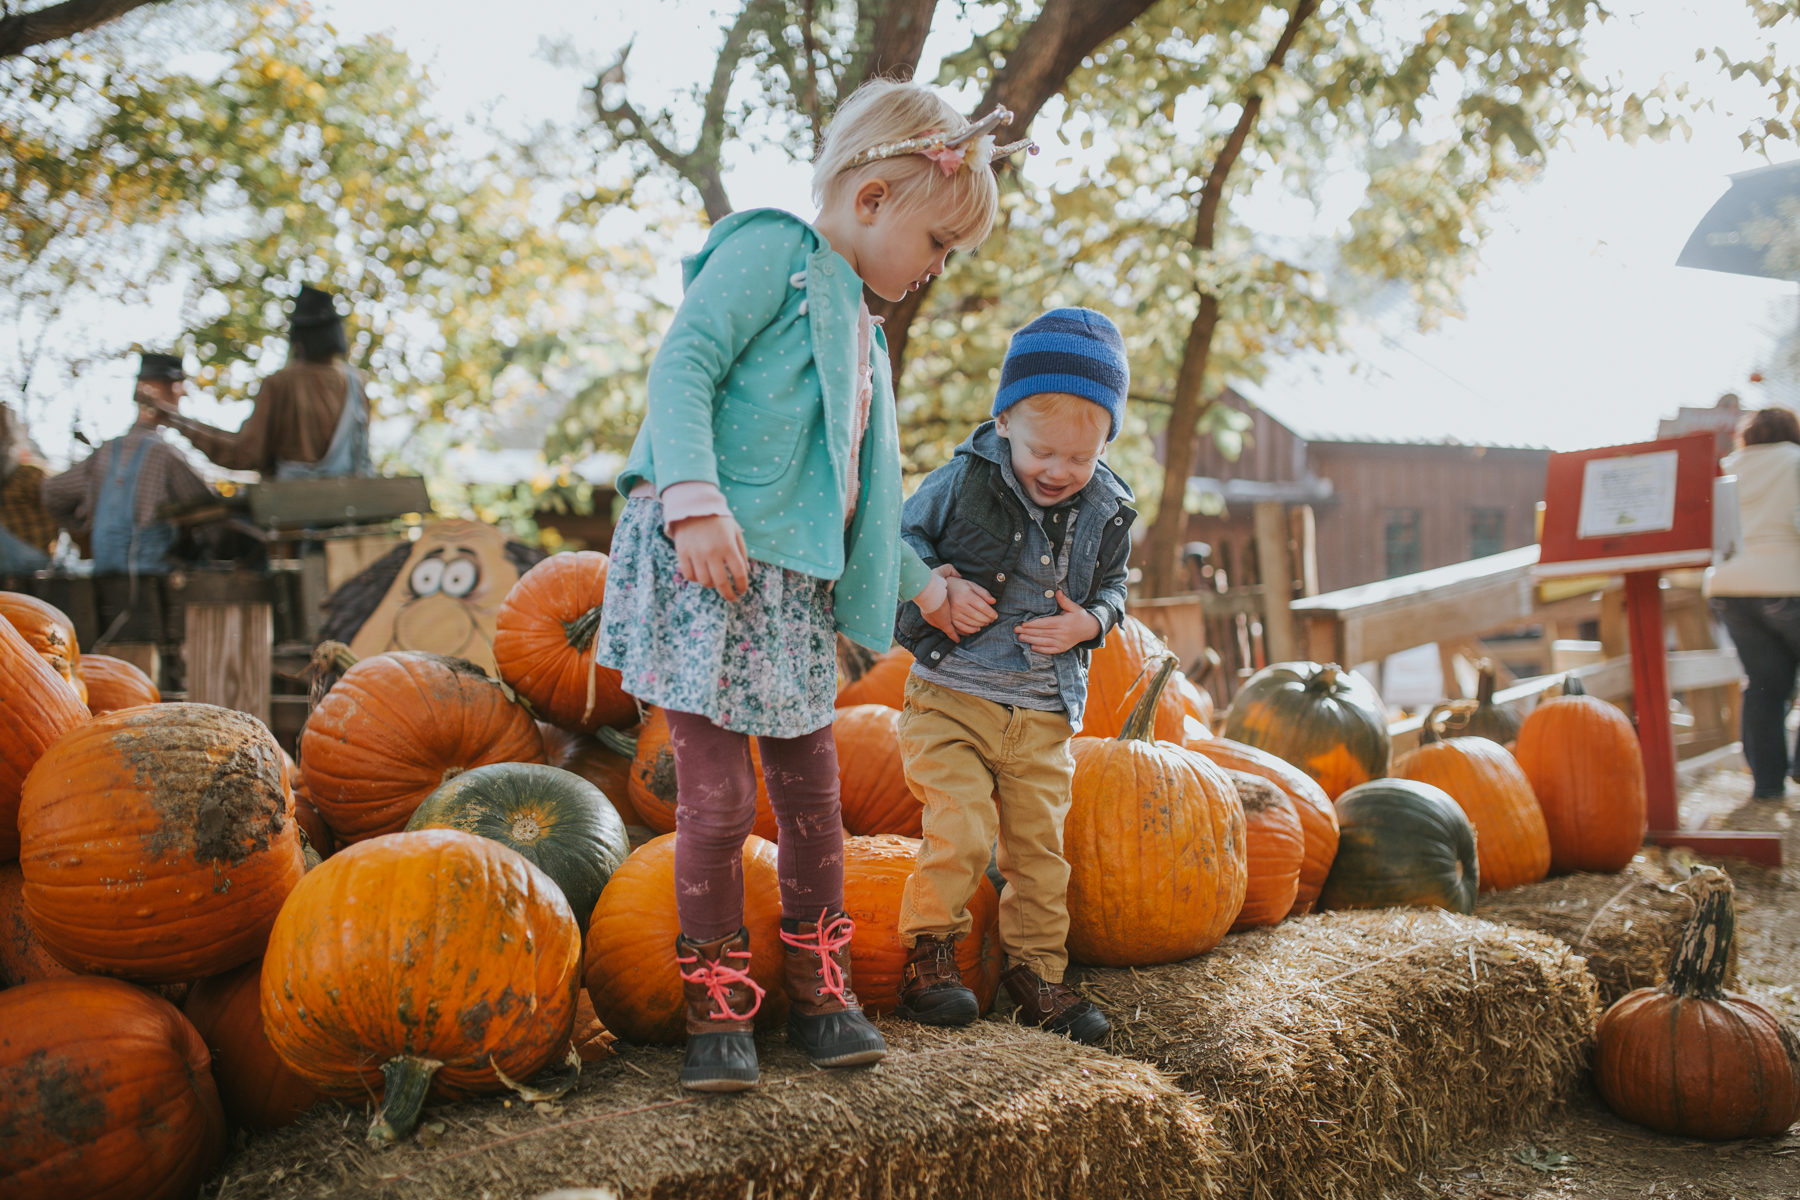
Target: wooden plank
1469, 609
327, 502
1180, 621
142, 655
1303, 531
1277, 580
227, 652
1423, 587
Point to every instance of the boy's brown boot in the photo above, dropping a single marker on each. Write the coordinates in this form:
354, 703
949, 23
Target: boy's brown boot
1054, 1006
722, 1001
824, 1018
931, 986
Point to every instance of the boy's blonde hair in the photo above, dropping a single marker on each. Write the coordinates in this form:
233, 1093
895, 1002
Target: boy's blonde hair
883, 111
1066, 406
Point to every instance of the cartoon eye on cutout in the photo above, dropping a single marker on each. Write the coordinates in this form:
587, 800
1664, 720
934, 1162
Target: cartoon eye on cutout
460, 577
427, 576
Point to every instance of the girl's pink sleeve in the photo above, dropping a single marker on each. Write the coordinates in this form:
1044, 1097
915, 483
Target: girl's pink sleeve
692, 498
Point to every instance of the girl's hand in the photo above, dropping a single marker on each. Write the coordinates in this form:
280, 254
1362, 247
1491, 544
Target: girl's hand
712, 554
1064, 631
970, 605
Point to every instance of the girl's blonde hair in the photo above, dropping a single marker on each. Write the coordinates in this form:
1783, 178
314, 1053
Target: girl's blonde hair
883, 111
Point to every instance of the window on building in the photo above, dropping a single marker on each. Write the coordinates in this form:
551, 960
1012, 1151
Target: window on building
1487, 531
1404, 543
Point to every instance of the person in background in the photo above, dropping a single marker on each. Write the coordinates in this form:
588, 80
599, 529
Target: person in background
1756, 593
311, 419
27, 532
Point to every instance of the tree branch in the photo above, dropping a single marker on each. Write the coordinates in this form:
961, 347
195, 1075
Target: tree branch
894, 39
21, 31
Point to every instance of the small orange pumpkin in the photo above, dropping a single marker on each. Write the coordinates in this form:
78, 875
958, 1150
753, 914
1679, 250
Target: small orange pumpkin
395, 728
883, 683
1119, 674
112, 684
105, 1090
544, 644
652, 789
50, 632
872, 784
256, 1088
1586, 770
602, 758
631, 974
875, 873
38, 708
1511, 841
1327, 721
1275, 847
1195, 701
181, 815
1318, 817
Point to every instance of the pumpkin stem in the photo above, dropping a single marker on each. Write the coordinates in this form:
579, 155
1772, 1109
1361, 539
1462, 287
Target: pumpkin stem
1572, 686
1323, 679
551, 1083
1700, 959
406, 1081
616, 740
580, 632
333, 656
1484, 682
1141, 725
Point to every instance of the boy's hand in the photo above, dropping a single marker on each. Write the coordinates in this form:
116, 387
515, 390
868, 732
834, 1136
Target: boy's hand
1064, 631
712, 553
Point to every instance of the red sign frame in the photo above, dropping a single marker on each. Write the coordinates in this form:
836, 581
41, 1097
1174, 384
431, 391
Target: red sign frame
1687, 544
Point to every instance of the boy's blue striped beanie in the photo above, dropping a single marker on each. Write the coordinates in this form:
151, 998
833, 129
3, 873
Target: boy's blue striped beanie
1073, 350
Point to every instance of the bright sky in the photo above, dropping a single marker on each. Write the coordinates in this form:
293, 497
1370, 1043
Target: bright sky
1580, 330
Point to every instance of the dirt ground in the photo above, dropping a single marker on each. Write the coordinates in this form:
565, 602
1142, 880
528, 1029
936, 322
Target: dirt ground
1586, 1151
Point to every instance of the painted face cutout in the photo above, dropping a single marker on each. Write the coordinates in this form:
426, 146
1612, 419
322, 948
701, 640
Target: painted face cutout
446, 597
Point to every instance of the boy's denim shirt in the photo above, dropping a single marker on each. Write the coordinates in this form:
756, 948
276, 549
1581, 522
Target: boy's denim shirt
1096, 551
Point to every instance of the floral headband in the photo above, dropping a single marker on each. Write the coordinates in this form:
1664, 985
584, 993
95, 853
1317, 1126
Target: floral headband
974, 147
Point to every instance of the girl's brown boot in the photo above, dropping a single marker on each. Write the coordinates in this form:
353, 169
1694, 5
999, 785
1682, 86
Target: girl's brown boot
824, 1018
721, 999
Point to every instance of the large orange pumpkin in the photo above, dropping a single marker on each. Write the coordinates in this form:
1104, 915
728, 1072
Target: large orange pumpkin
318, 833
1275, 847
23, 958
1156, 846
652, 787
36, 707
1318, 818
875, 873
112, 684
544, 644
1511, 842
158, 843
883, 683
871, 775
50, 632
432, 962
630, 970
1687, 1058
256, 1088
604, 761
1327, 721
105, 1091
1119, 674
395, 728
1582, 758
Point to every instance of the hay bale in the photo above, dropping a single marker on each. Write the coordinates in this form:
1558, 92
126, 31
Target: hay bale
994, 1110
1625, 925
1339, 1051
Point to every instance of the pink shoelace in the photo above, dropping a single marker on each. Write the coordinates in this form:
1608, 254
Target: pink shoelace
827, 938
719, 979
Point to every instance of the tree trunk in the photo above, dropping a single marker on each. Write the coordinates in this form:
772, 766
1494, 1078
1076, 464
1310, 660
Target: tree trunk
1162, 548
896, 37
21, 31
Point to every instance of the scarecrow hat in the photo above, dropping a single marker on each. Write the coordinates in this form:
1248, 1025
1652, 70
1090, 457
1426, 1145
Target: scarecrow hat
160, 366
313, 309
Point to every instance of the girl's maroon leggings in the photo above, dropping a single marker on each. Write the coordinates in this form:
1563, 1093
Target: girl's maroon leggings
715, 808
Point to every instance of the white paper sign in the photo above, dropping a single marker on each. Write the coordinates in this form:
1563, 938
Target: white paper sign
1635, 494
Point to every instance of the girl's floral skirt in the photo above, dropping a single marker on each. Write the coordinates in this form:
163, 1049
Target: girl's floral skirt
764, 665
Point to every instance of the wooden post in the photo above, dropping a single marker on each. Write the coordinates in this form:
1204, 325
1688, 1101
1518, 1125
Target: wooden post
1276, 567
1304, 534
1650, 688
142, 655
227, 652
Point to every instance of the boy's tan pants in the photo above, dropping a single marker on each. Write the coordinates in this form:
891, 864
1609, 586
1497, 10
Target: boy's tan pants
960, 752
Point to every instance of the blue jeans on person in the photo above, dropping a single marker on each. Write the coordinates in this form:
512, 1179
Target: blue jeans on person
1766, 631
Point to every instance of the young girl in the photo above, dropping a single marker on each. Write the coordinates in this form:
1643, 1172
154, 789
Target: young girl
763, 519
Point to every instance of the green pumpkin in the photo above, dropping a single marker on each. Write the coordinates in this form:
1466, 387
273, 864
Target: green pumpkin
1400, 843
558, 820
1321, 718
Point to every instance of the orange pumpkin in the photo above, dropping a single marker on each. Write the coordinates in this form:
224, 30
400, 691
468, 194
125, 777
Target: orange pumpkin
112, 684
604, 761
652, 786
871, 776
1327, 721
883, 683
395, 728
104, 1091
1119, 674
630, 970
38, 707
1512, 844
181, 817
1155, 840
1195, 701
1582, 759
1690, 1060
875, 873
49, 631
544, 644
318, 833
256, 1088
434, 962
1318, 818
23, 958
1275, 847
